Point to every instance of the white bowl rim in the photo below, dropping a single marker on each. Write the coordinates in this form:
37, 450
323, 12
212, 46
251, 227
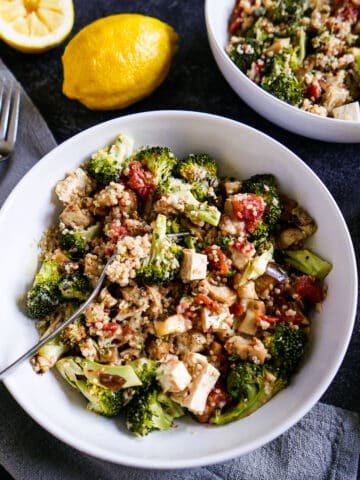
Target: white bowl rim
204, 460
290, 108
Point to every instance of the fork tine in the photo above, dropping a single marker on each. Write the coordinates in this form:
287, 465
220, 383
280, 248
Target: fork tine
5, 114
14, 117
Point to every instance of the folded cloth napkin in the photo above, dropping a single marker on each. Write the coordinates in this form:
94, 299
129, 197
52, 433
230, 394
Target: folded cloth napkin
324, 445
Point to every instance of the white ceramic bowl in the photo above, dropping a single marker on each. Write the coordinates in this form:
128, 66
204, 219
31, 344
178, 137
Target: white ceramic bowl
240, 151
217, 14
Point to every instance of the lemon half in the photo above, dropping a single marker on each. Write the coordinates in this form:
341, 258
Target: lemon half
34, 26
118, 60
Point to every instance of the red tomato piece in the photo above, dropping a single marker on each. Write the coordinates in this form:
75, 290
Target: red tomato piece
202, 299
110, 327
237, 309
307, 288
249, 208
313, 91
218, 260
141, 181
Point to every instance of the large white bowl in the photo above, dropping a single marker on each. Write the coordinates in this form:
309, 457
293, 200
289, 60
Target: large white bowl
217, 14
240, 151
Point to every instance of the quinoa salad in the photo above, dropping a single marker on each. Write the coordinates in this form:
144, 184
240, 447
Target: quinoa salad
205, 309
306, 53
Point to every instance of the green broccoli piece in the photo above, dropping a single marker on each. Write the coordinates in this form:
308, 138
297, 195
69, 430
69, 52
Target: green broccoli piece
146, 370
151, 410
307, 262
163, 263
159, 160
104, 386
250, 386
75, 242
44, 294
280, 80
244, 53
286, 346
264, 185
181, 194
200, 170
114, 377
75, 286
102, 401
287, 11
47, 355
107, 164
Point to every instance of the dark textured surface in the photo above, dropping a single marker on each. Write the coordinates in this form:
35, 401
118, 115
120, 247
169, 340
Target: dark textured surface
195, 83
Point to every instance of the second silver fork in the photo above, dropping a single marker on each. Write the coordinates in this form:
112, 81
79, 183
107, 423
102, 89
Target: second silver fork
9, 118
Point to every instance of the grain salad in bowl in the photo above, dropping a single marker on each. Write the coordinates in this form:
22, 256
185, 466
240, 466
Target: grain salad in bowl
305, 53
205, 308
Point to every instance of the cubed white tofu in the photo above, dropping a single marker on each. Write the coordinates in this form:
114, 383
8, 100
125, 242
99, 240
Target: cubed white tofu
220, 293
247, 291
241, 253
253, 350
76, 184
351, 111
193, 265
170, 325
73, 216
254, 308
204, 376
173, 376
216, 321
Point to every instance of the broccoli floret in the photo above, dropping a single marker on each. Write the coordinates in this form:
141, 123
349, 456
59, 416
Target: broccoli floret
159, 160
102, 401
280, 80
44, 294
287, 11
244, 53
250, 386
105, 386
307, 262
264, 185
107, 164
47, 356
286, 346
163, 263
41, 300
75, 286
115, 377
146, 370
200, 170
151, 410
181, 194
75, 242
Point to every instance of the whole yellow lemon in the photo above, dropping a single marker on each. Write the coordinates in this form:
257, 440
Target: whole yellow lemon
118, 60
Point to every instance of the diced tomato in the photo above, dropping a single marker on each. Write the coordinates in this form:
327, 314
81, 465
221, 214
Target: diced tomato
307, 288
140, 180
202, 299
118, 231
268, 318
110, 327
313, 91
249, 208
218, 260
217, 399
237, 309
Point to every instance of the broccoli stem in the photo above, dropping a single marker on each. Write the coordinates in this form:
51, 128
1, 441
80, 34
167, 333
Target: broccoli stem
308, 263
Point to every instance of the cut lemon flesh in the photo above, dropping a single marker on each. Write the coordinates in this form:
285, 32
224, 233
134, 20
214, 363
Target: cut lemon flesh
35, 25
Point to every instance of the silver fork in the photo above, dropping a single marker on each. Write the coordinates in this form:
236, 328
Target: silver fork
9, 107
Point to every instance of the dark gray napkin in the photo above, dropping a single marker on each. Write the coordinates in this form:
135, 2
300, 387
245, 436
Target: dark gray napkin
324, 445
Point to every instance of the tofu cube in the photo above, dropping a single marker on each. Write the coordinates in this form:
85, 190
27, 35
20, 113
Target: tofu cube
173, 376
254, 308
193, 266
351, 111
204, 376
170, 325
76, 184
252, 350
247, 291
216, 321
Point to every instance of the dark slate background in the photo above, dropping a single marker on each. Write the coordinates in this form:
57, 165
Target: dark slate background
195, 83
